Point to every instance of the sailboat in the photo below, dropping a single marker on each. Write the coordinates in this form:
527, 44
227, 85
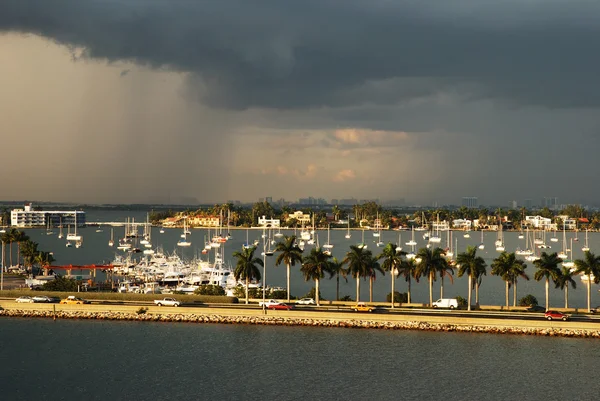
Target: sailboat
183, 241
586, 247
348, 233
60, 232
568, 262
68, 244
48, 229
111, 242
466, 234
527, 251
328, 245
278, 234
411, 243
563, 254
362, 245
377, 231
500, 240
554, 238
449, 253
74, 237
399, 246
435, 237
481, 244
379, 243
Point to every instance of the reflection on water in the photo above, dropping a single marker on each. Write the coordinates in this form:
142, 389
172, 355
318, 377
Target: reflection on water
100, 360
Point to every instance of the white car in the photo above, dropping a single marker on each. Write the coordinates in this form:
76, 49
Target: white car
24, 300
270, 302
305, 301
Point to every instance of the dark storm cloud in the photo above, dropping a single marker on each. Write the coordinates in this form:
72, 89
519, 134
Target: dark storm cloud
291, 54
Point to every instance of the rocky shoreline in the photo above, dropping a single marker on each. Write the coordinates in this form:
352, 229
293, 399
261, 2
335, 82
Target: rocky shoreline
283, 321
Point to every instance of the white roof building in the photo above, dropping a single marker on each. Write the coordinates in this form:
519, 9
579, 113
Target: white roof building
264, 222
27, 217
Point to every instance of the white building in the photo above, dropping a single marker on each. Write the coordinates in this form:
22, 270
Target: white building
462, 224
264, 222
543, 223
27, 217
301, 217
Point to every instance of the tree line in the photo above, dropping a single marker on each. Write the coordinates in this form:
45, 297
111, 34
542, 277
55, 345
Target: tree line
27, 252
430, 264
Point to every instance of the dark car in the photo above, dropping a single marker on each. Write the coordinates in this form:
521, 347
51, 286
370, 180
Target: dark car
536, 308
281, 306
555, 315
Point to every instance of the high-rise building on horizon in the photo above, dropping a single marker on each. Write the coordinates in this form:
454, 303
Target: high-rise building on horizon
469, 201
528, 204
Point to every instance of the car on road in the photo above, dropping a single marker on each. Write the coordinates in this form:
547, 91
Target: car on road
269, 303
281, 306
167, 302
305, 301
25, 300
45, 299
555, 315
73, 300
451, 303
362, 307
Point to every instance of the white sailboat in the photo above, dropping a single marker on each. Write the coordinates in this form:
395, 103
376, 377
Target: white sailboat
586, 247
554, 237
111, 242
183, 241
74, 237
412, 243
568, 262
348, 233
48, 229
399, 246
60, 232
328, 245
435, 237
362, 244
481, 244
448, 252
563, 253
500, 240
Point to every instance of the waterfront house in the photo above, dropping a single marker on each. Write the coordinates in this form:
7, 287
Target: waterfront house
29, 217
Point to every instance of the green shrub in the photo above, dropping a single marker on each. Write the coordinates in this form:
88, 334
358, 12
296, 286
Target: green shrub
312, 294
346, 298
210, 290
528, 300
399, 297
461, 301
278, 294
60, 284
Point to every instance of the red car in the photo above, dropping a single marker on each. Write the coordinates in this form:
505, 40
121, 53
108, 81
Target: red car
552, 314
281, 306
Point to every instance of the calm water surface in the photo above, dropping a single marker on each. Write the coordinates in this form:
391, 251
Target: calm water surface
97, 360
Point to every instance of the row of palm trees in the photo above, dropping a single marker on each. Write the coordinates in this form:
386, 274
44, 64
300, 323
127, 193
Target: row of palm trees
430, 263
27, 250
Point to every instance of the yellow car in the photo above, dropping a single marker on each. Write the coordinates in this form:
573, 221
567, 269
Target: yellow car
362, 307
71, 299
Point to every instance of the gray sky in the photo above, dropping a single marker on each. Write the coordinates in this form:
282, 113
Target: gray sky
151, 101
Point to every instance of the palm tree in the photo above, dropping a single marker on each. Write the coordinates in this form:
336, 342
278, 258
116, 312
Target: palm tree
30, 251
590, 266
445, 270
429, 263
517, 271
408, 270
20, 237
4, 238
314, 267
563, 279
505, 266
478, 274
44, 260
373, 267
336, 268
391, 262
468, 262
246, 267
547, 267
11, 236
289, 253
357, 259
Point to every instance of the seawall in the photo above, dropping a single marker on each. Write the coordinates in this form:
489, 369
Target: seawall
304, 318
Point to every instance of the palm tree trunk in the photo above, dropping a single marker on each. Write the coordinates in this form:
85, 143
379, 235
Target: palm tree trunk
317, 291
470, 291
430, 289
515, 293
477, 294
246, 290
371, 289
393, 279
547, 283
10, 248
567, 296
442, 287
506, 294
288, 281
337, 288
357, 288
589, 293
409, 297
